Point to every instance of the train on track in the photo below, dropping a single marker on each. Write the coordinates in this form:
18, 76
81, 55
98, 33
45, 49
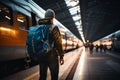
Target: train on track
115, 38
16, 16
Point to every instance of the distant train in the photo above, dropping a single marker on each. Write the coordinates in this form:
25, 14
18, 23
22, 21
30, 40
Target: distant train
116, 41
16, 16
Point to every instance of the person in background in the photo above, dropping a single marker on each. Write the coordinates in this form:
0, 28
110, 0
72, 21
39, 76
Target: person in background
57, 53
97, 47
91, 47
104, 47
101, 47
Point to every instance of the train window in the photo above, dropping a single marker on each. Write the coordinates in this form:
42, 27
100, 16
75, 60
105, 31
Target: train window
5, 15
118, 38
34, 22
22, 21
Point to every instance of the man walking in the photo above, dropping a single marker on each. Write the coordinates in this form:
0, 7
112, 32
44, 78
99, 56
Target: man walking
56, 54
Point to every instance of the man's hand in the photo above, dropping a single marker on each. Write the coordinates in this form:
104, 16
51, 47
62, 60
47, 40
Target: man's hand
61, 60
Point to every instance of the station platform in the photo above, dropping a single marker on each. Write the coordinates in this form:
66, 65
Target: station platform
99, 66
95, 66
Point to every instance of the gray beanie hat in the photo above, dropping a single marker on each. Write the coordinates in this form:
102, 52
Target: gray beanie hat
49, 13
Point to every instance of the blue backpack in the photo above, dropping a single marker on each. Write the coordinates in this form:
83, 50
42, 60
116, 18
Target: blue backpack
38, 41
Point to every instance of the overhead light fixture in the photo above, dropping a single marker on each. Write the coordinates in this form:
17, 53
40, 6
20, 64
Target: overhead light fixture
74, 9
77, 23
73, 3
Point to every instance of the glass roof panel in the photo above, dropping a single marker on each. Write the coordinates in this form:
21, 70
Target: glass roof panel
75, 13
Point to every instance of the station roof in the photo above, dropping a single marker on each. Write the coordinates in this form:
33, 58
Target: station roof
99, 17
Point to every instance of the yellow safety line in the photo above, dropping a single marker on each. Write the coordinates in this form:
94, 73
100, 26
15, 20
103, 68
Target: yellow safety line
32, 76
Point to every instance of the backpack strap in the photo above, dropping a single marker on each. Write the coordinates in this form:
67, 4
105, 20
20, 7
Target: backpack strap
51, 28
